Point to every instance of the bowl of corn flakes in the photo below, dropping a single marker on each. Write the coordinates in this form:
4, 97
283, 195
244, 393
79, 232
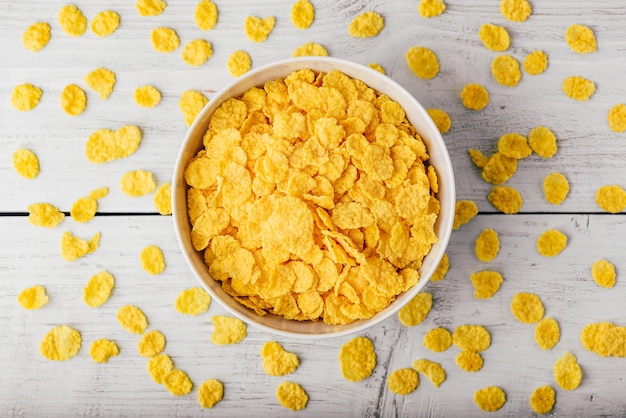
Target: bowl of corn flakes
313, 197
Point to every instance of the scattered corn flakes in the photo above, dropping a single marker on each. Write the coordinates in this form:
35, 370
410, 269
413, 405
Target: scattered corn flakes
547, 333
479, 159
177, 382
474, 96
72, 20
357, 359
499, 168
506, 199
152, 260
197, 52
567, 372
578, 88
310, 49
302, 14
617, 118
36, 36
277, 361
486, 283
164, 40
603, 273
505, 70
163, 199
84, 209
159, 366
403, 381
73, 247
495, 38
431, 8
193, 301
150, 7
98, 289
555, 188
514, 145
542, 141
487, 245
366, 25
227, 330
551, 242
542, 399
239, 63
438, 340
292, 396
102, 350
515, 10
580, 39
611, 198
60, 343
33, 297
464, 211
73, 100
414, 312
441, 270
605, 339
101, 81
435, 373
132, 319
206, 15
44, 214
422, 61
105, 145
474, 338
137, 183
527, 308
535, 62
151, 344
376, 66
469, 361
25, 97
105, 23
491, 398
147, 96
210, 392
441, 119
191, 103
258, 29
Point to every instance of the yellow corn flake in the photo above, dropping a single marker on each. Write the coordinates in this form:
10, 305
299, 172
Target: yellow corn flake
515, 10
486, 283
302, 14
474, 338
277, 361
605, 339
357, 359
227, 330
151, 344
102, 81
193, 301
258, 29
44, 214
438, 340
376, 66
567, 372
441, 119
164, 40
36, 36
72, 20
163, 199
603, 273
580, 39
490, 399
611, 198
433, 371
542, 399
506, 199
514, 145
499, 168
25, 97
137, 183
206, 14
150, 7
105, 23
431, 8
132, 319
191, 103
33, 297
292, 396
73, 100
551, 242
102, 350
98, 289
239, 63
177, 382
469, 361
197, 52
555, 188
366, 25
479, 159
73, 247
99, 193
578, 88
441, 270
152, 260
93, 243
105, 145
474, 96
535, 62
159, 366
547, 333
310, 49
506, 71
617, 118
60, 343
147, 96
84, 209
527, 308
495, 38
464, 211
403, 381
210, 392
422, 61
487, 245
542, 141
414, 312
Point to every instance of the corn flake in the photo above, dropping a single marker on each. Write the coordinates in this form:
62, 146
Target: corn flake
292, 396
542, 399
277, 361
197, 52
514, 145
403, 381
152, 343
33, 297
471, 338
551, 242
102, 350
495, 38
469, 361
535, 62
206, 14
159, 366
132, 319
72, 20
542, 141
366, 25
44, 214
547, 333
617, 118
506, 199
567, 372
527, 308
474, 96
177, 382
422, 61
441, 270
505, 70
164, 40
147, 96
191, 103
435, 373
431, 8
227, 330
464, 211
258, 29
84, 209
486, 283
414, 312
137, 183
152, 260
150, 7
578, 88
490, 399
302, 14
99, 193
210, 392
438, 340
580, 39
603, 273
605, 339
239, 63
357, 359
163, 199
479, 159
36, 36
60, 343
611, 198
310, 49
98, 289
102, 81
25, 97
376, 66
73, 100
515, 10
105, 145
193, 301
441, 119
487, 245
105, 23
73, 247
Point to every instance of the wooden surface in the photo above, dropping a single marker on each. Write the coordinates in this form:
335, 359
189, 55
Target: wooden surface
589, 154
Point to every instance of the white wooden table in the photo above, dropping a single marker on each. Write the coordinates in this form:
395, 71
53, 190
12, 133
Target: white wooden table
589, 154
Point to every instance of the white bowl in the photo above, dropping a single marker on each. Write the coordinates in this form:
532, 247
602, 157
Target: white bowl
416, 115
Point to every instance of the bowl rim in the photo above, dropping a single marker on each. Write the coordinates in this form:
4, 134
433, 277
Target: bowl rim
444, 224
